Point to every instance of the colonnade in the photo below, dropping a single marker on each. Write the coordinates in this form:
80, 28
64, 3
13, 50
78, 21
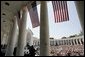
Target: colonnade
69, 41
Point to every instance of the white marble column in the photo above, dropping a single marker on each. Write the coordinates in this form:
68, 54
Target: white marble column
29, 37
74, 42
80, 41
54, 42
80, 10
71, 42
66, 42
59, 42
77, 41
22, 33
63, 42
12, 39
83, 40
44, 30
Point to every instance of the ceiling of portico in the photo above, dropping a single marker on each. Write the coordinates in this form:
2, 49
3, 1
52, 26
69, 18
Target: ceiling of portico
8, 10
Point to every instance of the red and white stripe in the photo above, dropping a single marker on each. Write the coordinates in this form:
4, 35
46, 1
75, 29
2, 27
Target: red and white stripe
60, 11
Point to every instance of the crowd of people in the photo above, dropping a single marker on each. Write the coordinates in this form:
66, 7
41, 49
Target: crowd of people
61, 50
67, 50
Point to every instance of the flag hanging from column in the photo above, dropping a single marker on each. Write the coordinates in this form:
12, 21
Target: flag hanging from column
60, 11
34, 15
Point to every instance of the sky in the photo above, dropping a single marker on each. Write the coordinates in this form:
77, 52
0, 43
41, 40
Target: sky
58, 30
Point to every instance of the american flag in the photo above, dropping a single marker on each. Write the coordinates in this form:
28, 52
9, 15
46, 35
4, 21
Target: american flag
60, 11
34, 15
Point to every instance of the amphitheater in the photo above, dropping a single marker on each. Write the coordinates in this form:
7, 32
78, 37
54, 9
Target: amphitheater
14, 31
73, 46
